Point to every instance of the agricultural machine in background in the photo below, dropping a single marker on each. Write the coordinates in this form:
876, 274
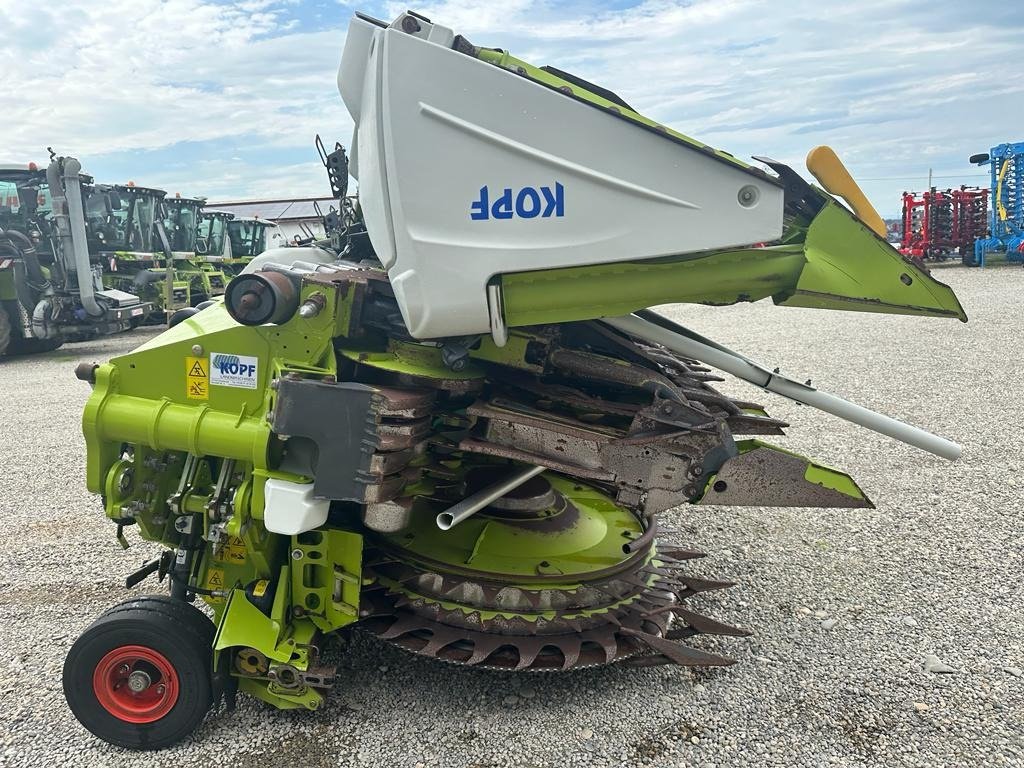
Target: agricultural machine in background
144, 232
230, 241
453, 423
212, 241
51, 282
941, 224
206, 279
1006, 228
127, 232
249, 237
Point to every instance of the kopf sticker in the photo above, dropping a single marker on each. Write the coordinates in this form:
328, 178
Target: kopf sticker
227, 370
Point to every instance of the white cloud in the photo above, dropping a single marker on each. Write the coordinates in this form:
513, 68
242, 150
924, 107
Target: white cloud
894, 89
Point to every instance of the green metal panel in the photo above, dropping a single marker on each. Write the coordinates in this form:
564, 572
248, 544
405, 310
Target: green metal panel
837, 264
850, 267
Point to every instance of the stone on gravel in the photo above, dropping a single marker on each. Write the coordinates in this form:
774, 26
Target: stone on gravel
933, 663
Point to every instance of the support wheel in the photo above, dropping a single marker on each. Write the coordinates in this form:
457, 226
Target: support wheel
140, 676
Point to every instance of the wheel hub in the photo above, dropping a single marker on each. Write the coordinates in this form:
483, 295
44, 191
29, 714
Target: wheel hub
135, 684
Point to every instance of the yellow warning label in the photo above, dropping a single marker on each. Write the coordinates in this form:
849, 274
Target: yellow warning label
261, 588
233, 551
197, 378
214, 579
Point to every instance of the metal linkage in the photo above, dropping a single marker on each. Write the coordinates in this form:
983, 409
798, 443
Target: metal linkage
689, 344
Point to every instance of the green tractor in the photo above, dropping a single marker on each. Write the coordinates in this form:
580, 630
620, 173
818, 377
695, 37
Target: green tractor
182, 218
138, 231
51, 288
249, 237
454, 424
212, 241
126, 231
231, 242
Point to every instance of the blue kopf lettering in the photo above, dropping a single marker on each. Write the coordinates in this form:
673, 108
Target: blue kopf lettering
527, 203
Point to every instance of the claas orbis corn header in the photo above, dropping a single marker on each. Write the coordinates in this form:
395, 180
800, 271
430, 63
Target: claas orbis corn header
454, 423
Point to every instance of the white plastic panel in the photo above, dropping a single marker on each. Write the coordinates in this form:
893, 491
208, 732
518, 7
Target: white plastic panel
586, 187
291, 509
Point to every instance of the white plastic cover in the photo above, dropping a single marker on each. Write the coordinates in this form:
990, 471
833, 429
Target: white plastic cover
467, 171
291, 509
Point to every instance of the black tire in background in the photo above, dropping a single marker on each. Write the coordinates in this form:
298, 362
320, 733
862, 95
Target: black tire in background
171, 643
5, 331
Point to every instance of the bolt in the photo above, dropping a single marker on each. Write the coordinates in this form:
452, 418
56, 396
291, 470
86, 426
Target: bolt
197, 349
296, 554
138, 681
667, 409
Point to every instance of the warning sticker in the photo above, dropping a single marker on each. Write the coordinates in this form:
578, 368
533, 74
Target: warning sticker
197, 378
233, 370
214, 579
233, 551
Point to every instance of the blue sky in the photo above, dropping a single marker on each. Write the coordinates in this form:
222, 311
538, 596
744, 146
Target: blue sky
222, 98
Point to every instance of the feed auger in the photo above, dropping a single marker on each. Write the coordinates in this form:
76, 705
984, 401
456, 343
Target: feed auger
454, 423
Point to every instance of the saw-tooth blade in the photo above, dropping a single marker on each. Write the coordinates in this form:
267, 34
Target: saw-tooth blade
483, 647
570, 648
705, 585
682, 655
709, 626
529, 649
404, 623
680, 553
442, 636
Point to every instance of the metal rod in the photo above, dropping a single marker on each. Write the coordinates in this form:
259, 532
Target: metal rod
472, 504
689, 344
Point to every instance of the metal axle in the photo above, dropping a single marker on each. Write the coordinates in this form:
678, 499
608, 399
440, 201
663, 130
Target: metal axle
473, 504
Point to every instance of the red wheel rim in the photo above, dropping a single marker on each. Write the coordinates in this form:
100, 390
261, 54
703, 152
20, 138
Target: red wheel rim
135, 684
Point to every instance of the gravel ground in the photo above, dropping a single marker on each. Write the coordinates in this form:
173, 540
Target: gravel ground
845, 605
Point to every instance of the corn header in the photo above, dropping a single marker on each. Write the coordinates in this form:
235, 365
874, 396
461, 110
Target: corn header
454, 423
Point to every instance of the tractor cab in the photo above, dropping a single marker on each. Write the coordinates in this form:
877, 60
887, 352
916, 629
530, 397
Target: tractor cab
212, 241
248, 236
181, 220
121, 218
24, 198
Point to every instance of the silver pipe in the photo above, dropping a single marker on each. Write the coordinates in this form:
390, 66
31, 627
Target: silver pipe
473, 504
706, 351
69, 215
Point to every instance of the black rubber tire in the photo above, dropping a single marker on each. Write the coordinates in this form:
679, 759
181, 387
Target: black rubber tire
179, 632
181, 315
5, 331
33, 346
